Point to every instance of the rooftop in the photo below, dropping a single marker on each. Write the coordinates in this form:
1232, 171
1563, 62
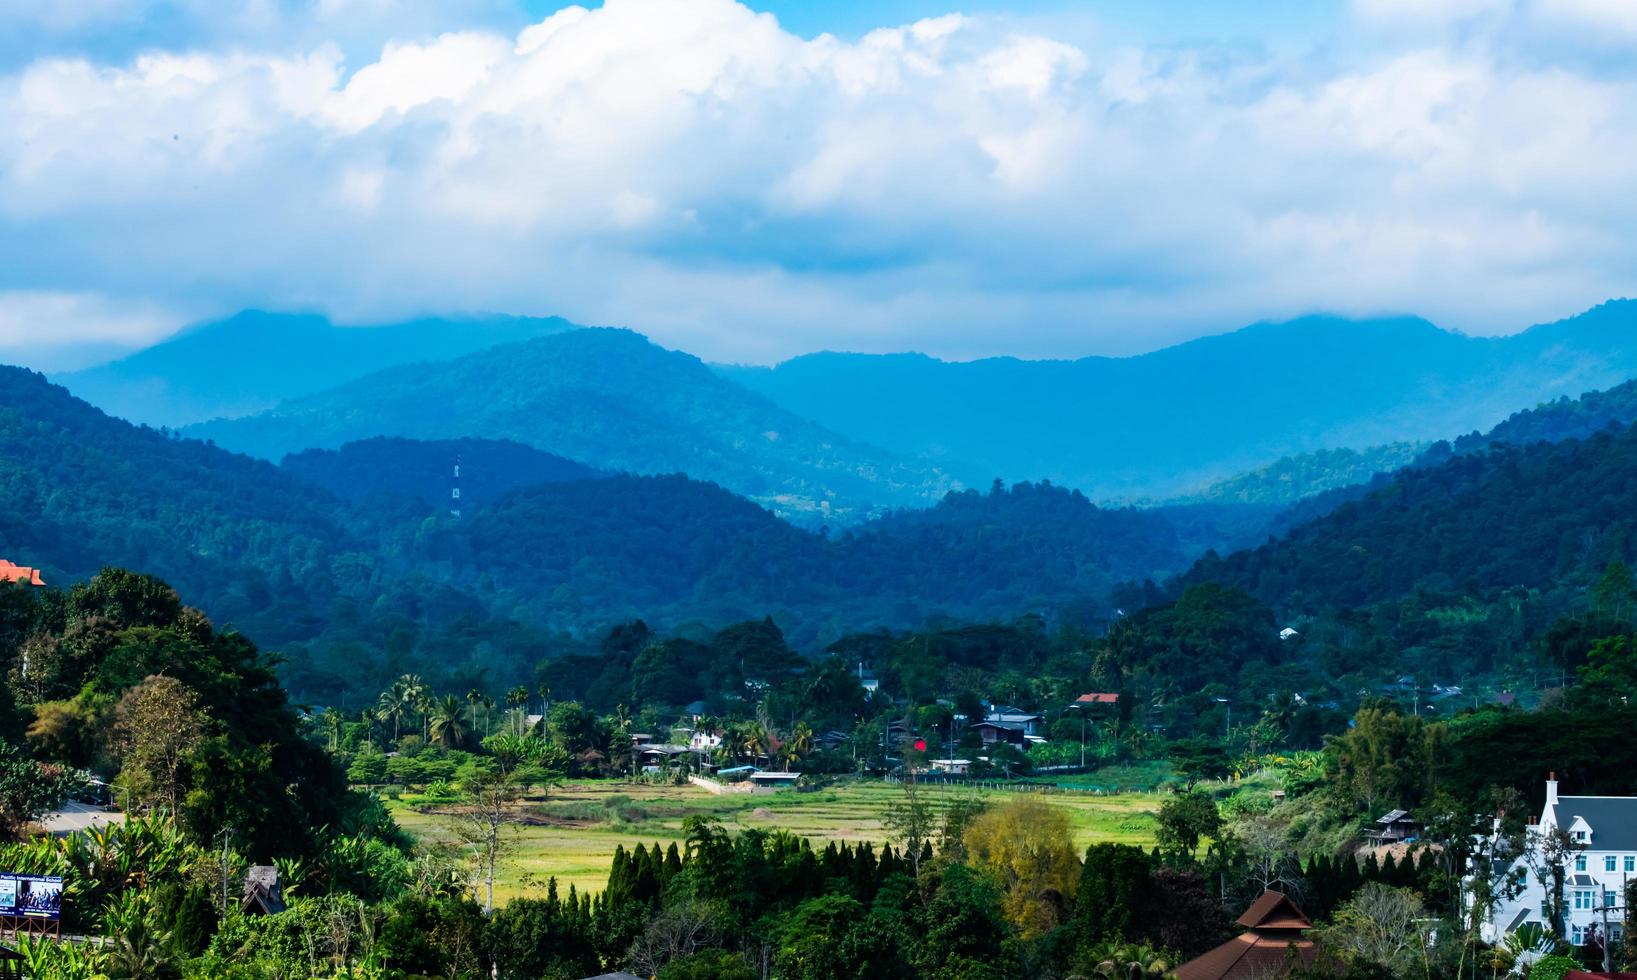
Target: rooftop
1613, 820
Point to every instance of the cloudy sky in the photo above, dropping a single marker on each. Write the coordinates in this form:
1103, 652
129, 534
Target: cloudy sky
751, 182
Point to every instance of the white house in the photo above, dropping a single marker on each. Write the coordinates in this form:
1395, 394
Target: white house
1594, 888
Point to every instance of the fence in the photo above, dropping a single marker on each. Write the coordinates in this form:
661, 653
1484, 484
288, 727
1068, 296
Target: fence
1018, 786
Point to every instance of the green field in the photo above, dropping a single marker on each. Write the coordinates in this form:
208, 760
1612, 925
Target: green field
572, 834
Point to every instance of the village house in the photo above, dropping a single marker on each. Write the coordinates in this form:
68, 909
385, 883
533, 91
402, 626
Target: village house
1274, 940
1005, 714
1604, 832
1395, 827
11, 572
1001, 733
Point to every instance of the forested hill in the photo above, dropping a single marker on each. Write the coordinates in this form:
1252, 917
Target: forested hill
1170, 421
253, 360
353, 591
673, 549
614, 401
83, 490
1529, 515
425, 471
1295, 478
1565, 418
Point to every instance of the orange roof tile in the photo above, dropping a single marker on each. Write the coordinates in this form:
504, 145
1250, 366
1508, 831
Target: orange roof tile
10, 572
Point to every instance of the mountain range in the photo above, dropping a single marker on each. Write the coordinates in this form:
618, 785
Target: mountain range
253, 360
612, 400
1170, 422
350, 562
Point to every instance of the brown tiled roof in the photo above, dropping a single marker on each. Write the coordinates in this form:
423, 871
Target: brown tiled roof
1274, 910
1274, 927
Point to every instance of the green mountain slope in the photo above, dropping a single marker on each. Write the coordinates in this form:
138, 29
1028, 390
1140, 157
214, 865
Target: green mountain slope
1508, 516
1170, 421
611, 400
355, 590
254, 360
425, 471
1295, 478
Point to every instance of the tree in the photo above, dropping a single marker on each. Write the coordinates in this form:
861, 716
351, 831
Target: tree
910, 821
490, 800
1387, 758
1547, 856
1114, 883
27, 789
1025, 845
159, 722
1380, 924
393, 705
1184, 820
800, 743
450, 726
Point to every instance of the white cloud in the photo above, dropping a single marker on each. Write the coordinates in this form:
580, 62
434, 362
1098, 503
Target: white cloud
688, 168
47, 328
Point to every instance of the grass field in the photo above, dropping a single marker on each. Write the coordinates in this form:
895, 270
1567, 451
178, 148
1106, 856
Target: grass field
572, 835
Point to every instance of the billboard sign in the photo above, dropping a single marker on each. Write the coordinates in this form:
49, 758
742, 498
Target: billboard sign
31, 896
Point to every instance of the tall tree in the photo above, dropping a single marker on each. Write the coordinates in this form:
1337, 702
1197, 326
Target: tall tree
159, 722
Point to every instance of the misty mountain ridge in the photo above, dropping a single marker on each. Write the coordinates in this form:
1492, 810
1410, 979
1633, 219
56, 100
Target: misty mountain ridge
612, 400
1176, 420
253, 360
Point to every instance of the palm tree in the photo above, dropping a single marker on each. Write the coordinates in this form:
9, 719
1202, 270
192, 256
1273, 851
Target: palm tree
369, 718
394, 705
332, 725
516, 698
448, 725
474, 702
756, 740
799, 744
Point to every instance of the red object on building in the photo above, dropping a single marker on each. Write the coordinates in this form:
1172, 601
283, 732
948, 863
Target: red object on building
1097, 698
1273, 940
17, 573
920, 745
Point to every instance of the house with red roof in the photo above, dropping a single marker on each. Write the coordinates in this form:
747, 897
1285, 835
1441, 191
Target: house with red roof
10, 572
1274, 940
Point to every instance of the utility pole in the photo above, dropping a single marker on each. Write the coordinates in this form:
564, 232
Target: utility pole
1082, 740
226, 835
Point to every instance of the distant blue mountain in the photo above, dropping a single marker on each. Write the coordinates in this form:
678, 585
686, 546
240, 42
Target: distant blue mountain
1175, 420
614, 401
254, 360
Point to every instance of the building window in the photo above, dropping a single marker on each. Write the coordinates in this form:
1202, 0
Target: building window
1582, 901
1608, 863
1580, 862
1631, 863
1577, 935
1609, 899
1580, 835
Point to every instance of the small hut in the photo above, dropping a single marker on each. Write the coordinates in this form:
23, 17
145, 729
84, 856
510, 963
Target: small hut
1273, 940
262, 894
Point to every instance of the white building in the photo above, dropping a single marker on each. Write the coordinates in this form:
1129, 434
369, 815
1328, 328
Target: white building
1594, 882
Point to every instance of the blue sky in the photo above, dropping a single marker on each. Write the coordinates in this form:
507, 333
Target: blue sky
1031, 178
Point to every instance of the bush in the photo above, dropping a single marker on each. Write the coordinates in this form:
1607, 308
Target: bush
370, 769
712, 964
1551, 968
